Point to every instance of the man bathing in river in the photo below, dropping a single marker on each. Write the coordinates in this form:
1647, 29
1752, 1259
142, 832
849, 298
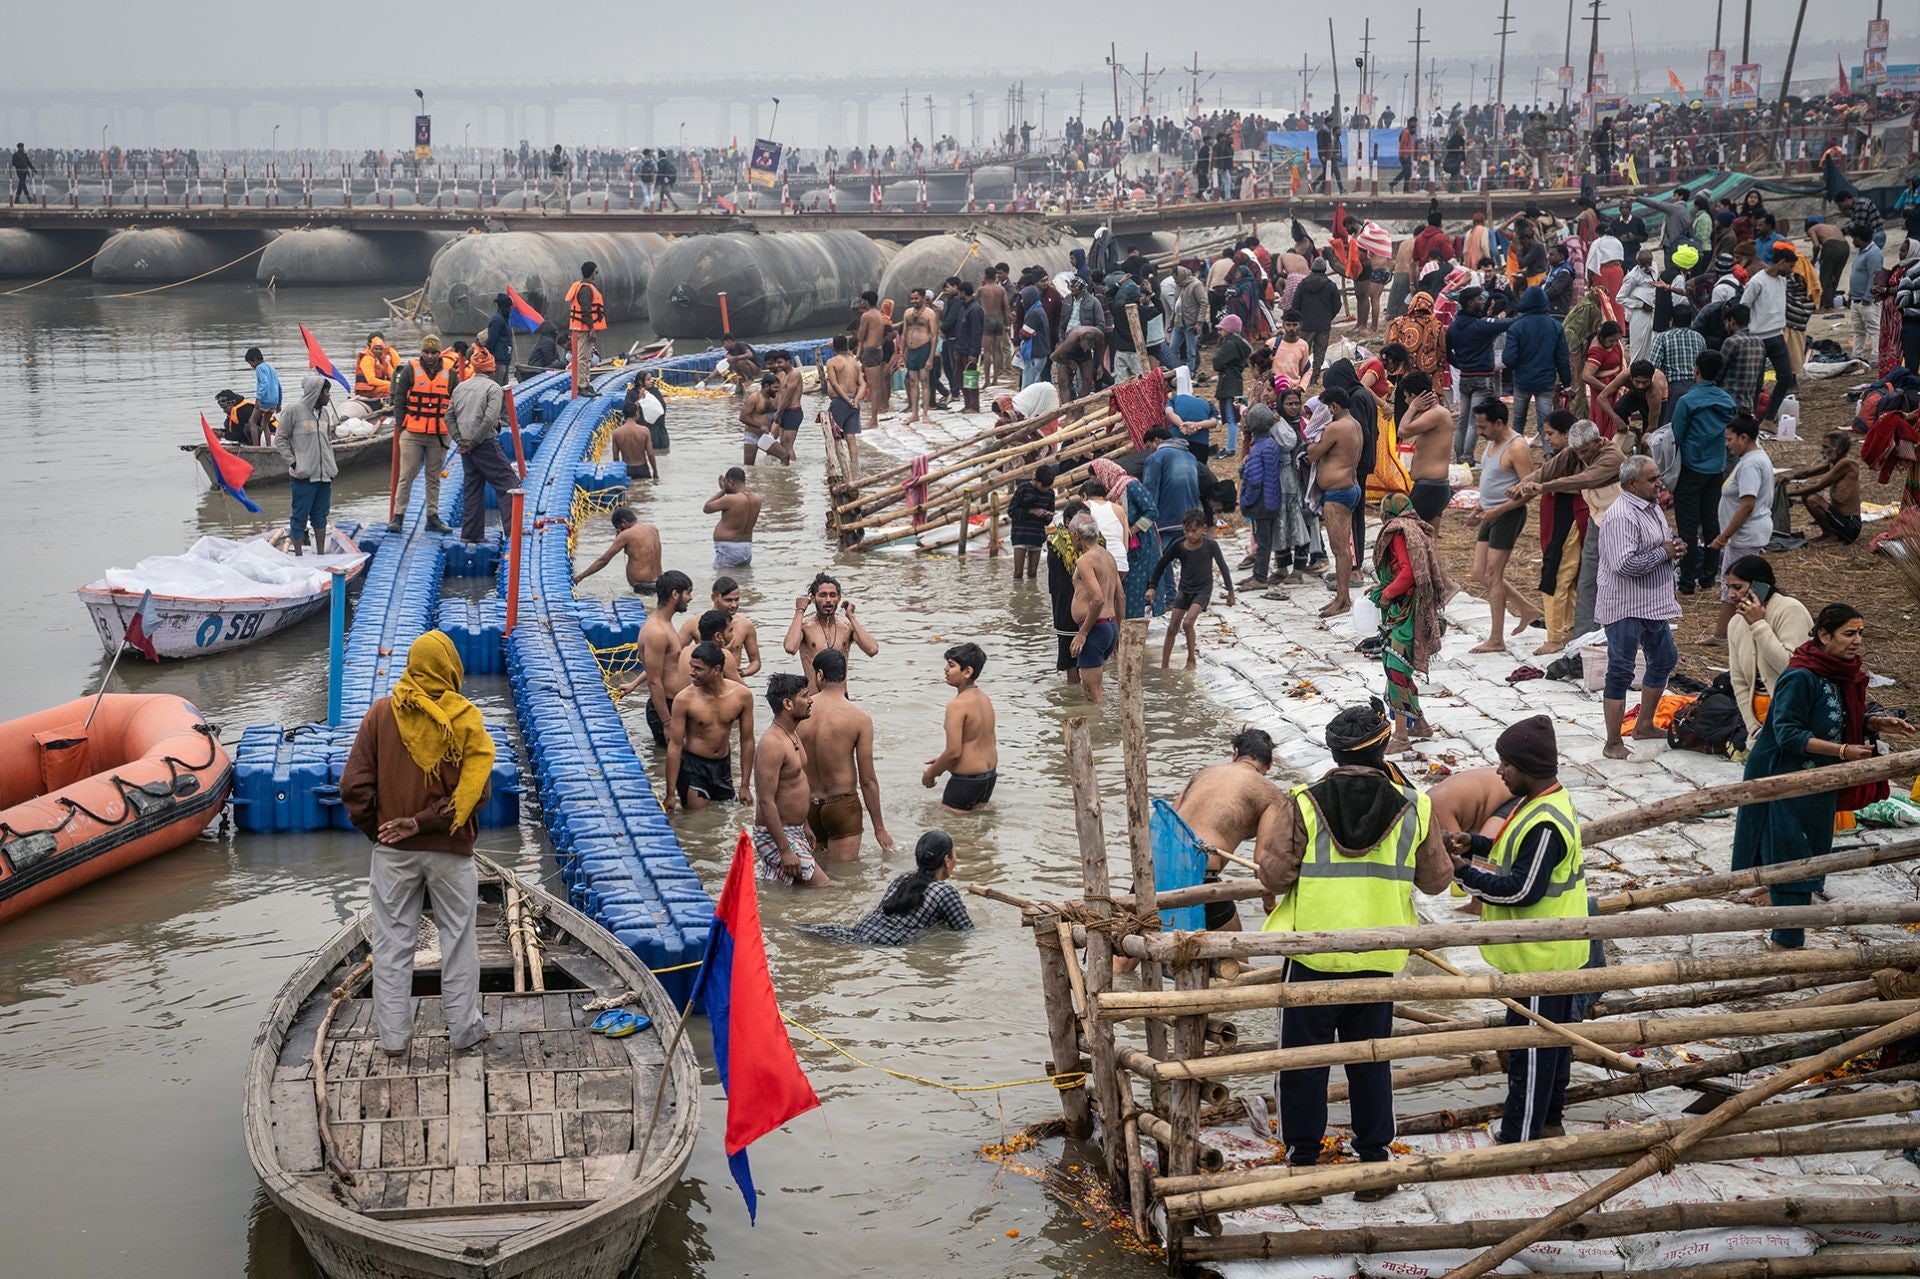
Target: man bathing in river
1098, 605
700, 736
660, 652
838, 738
781, 844
739, 510
712, 627
743, 637
843, 380
972, 754
832, 625
870, 342
787, 413
757, 418
1336, 457
641, 542
918, 325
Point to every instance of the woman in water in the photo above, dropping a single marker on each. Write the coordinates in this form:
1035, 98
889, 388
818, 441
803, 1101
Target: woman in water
915, 902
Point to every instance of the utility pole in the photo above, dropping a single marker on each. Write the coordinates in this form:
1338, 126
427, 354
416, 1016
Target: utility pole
906, 116
1366, 58
1306, 78
1145, 80
1043, 113
1506, 28
1593, 46
1419, 39
1719, 11
1334, 52
1566, 61
1113, 61
1746, 36
1193, 90
1793, 50
1633, 43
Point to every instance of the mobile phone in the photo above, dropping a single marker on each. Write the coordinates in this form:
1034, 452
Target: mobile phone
1759, 591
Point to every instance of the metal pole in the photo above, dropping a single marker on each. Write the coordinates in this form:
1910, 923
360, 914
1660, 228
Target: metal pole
516, 499
1746, 36
1113, 61
336, 645
1506, 16
103, 685
1566, 59
726, 328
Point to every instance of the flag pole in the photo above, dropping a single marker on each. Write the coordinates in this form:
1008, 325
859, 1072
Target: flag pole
660, 1089
111, 666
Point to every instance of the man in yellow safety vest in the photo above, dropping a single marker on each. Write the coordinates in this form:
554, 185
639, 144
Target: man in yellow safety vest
1531, 870
1347, 851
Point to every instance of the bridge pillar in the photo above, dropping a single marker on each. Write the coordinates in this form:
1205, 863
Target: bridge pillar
865, 108
753, 124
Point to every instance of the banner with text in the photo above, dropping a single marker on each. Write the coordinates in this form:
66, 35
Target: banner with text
763, 167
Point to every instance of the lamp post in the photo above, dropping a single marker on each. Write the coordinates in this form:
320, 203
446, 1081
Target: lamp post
274, 143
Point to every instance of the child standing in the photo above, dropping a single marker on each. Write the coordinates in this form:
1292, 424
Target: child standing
1031, 511
1197, 553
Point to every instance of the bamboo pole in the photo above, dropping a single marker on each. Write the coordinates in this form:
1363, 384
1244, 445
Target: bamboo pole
966, 520
1486, 933
1003, 896
1124, 1004
1063, 1033
993, 524
1635, 1032
1133, 744
1107, 1083
895, 472
1433, 1072
514, 940
1137, 1184
1264, 1187
1208, 1158
1090, 428
1582, 1045
1690, 1135
1695, 996
1710, 799
1714, 885
1788, 1210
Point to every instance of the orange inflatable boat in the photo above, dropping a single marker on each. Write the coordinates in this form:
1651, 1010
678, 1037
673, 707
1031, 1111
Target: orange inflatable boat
75, 804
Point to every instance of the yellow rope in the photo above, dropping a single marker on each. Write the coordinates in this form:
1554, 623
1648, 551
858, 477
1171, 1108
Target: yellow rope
1071, 1079
618, 663
57, 274
677, 968
161, 288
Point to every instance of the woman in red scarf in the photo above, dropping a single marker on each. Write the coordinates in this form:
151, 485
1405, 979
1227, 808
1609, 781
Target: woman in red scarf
1818, 716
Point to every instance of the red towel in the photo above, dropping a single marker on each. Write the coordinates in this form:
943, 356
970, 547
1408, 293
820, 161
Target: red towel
917, 489
1141, 403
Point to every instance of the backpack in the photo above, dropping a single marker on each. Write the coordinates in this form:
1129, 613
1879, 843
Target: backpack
1708, 324
1711, 723
1666, 455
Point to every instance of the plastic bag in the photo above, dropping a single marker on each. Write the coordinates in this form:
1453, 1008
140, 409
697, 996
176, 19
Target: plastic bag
1892, 811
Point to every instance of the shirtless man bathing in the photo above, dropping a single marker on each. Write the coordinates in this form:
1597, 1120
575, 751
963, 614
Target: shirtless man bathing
844, 386
640, 541
833, 624
870, 348
972, 754
918, 327
701, 735
838, 737
1429, 425
739, 510
1336, 456
782, 848
758, 413
1098, 605
787, 413
743, 637
660, 653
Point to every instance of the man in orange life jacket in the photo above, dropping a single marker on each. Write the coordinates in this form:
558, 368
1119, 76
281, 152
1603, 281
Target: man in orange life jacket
586, 310
422, 389
373, 371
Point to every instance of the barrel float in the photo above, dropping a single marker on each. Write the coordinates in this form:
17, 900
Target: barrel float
76, 803
774, 282
925, 263
168, 255
37, 254
330, 255
540, 265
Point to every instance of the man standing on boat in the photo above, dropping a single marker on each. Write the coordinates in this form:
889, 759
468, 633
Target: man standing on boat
305, 442
473, 420
414, 783
266, 396
422, 390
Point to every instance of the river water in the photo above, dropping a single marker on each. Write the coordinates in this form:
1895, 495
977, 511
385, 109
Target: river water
126, 1009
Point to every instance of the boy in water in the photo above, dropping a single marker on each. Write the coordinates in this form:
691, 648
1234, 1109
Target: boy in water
972, 754
781, 843
1197, 553
1031, 510
641, 542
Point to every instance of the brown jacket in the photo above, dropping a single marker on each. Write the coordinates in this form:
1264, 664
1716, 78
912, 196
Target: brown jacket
381, 782
1282, 841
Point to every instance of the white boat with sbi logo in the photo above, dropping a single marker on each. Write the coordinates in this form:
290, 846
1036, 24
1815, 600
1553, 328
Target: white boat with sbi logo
221, 594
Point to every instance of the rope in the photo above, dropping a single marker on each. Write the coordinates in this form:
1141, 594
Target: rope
161, 288
1062, 1082
57, 274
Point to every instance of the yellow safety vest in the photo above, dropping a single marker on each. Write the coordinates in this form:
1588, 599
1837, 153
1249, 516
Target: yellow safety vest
1336, 891
1566, 896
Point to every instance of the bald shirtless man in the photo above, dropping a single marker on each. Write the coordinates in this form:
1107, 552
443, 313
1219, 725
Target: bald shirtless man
781, 846
1335, 456
743, 636
640, 541
843, 380
1429, 425
918, 325
1473, 800
832, 625
1220, 809
739, 510
838, 737
660, 652
1098, 605
870, 348
995, 316
699, 739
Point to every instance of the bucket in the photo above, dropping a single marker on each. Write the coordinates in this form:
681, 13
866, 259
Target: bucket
1593, 668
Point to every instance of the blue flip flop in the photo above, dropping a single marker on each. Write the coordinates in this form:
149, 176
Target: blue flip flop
606, 1019
629, 1024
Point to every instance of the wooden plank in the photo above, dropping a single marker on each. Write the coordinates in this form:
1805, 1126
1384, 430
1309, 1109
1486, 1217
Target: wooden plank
440, 1188
419, 1189
393, 1147
431, 1020
436, 1137
573, 1178
499, 1224
563, 1010
432, 1095
296, 1127
566, 1090
542, 1137
540, 1091
376, 1099
490, 1181
466, 1184
523, 1012
573, 1138
397, 1189
515, 1177
502, 1052
543, 1181
403, 1098
414, 1134
606, 1090
498, 1151
466, 1110
608, 1132
517, 1137
507, 1092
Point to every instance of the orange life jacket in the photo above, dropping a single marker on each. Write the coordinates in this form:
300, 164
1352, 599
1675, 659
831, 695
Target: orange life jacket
373, 374
425, 411
586, 309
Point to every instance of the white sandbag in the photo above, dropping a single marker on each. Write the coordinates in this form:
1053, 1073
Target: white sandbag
1899, 1236
1715, 1247
1430, 1264
1534, 1194
355, 428
1573, 1256
218, 568
1333, 1267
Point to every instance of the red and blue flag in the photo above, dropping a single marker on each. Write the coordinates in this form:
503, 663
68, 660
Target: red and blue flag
140, 628
762, 1078
319, 362
230, 472
522, 318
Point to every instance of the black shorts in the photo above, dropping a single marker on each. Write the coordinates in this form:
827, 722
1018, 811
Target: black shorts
790, 419
1219, 914
647, 590
1844, 527
969, 790
711, 777
1195, 600
1430, 498
1503, 531
1029, 536
656, 725
845, 415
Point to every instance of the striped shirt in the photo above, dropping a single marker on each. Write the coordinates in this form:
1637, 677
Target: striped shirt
1636, 575
1675, 350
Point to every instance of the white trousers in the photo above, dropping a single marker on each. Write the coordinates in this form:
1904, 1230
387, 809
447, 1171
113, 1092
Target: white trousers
397, 887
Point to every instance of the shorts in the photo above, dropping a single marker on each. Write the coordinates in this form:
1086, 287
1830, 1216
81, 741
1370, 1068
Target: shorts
1844, 527
917, 357
732, 554
872, 358
845, 415
1195, 601
1028, 537
790, 419
754, 441
649, 589
1502, 531
639, 471
1098, 647
1349, 497
970, 790
711, 777
1219, 914
992, 326
656, 725
767, 855
835, 817
1430, 498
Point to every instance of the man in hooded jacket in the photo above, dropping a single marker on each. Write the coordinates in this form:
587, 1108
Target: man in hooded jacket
305, 440
1536, 351
500, 338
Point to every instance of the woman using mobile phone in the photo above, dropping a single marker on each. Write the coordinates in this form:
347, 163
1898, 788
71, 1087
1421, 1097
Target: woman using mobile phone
1765, 629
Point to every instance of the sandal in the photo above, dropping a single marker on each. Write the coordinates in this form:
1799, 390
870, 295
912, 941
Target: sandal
627, 1024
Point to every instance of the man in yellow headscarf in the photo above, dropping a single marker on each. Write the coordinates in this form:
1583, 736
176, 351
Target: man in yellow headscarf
413, 784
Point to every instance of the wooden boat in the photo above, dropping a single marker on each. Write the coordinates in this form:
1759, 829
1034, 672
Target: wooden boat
77, 803
638, 353
200, 626
270, 468
521, 1157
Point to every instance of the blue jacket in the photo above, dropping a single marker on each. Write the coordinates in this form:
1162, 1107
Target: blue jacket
266, 386
1172, 477
1260, 490
1700, 427
1537, 346
1470, 343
